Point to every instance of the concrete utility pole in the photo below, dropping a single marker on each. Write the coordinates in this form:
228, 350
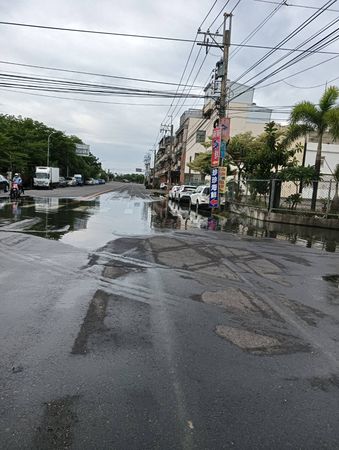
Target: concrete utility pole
171, 155
154, 156
221, 130
165, 129
224, 97
222, 42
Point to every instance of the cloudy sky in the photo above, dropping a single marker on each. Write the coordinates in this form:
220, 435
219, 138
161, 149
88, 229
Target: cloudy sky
121, 130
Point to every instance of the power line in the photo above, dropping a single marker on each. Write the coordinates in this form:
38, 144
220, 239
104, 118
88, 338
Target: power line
257, 29
142, 80
185, 68
216, 17
296, 73
311, 87
288, 38
295, 5
290, 63
85, 100
196, 59
234, 7
141, 36
309, 39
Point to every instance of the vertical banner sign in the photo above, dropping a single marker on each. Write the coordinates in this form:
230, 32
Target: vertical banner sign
225, 124
214, 188
222, 180
215, 147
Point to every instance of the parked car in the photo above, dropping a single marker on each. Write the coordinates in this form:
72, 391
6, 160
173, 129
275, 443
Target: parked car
171, 194
102, 181
90, 181
62, 182
4, 184
184, 193
200, 197
163, 186
71, 181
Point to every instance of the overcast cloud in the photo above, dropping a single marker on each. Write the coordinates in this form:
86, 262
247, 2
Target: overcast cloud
120, 135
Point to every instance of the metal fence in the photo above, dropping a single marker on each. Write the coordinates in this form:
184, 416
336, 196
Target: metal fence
278, 195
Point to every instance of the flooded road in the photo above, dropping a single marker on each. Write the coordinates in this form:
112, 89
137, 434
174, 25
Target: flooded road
91, 223
142, 335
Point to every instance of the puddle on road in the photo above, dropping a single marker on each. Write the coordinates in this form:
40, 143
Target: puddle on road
91, 224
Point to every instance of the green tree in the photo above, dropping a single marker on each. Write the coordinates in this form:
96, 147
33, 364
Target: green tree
202, 163
23, 145
238, 151
307, 116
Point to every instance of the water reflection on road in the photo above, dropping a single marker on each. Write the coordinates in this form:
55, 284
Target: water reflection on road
90, 224
172, 215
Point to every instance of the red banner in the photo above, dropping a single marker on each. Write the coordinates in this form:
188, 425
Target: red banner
215, 147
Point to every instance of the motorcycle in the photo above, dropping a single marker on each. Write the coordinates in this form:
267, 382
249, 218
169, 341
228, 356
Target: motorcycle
14, 192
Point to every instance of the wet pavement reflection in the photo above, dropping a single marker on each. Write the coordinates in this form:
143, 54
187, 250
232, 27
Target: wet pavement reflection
92, 223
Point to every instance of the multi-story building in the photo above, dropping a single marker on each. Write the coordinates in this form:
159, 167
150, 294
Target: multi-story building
164, 160
195, 129
329, 153
245, 116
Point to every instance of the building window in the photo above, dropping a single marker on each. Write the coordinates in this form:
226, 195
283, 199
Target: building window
200, 136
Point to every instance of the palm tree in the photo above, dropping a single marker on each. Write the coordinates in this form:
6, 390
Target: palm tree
307, 116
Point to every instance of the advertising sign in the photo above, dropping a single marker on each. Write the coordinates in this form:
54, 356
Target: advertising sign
224, 135
222, 179
214, 188
225, 123
215, 147
82, 149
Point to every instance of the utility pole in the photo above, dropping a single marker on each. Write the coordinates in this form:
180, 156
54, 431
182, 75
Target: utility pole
171, 155
169, 128
212, 40
222, 129
224, 97
154, 156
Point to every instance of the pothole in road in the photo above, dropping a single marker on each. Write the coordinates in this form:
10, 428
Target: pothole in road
231, 298
237, 301
115, 269
56, 429
261, 344
247, 340
325, 383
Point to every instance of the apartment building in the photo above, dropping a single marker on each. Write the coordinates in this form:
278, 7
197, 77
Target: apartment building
245, 116
195, 129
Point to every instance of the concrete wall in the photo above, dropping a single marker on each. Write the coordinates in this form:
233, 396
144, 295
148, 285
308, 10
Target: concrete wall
291, 219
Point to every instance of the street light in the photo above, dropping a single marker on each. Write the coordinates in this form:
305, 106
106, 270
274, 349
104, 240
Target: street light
49, 136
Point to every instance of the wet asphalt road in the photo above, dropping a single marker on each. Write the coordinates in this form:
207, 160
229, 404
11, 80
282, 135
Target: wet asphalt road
155, 338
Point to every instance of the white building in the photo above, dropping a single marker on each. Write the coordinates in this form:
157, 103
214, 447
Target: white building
329, 153
196, 126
